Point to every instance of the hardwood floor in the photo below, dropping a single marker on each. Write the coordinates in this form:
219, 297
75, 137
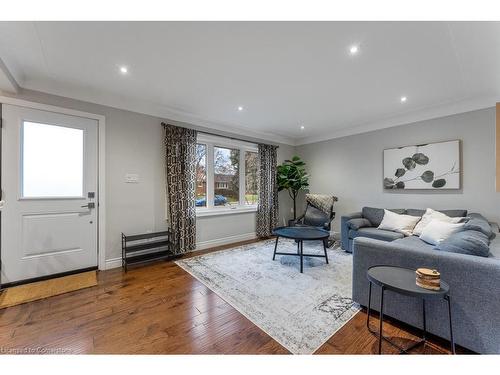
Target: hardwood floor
160, 308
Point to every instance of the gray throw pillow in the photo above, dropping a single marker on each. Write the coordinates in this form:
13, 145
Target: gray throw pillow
469, 242
359, 223
478, 223
375, 215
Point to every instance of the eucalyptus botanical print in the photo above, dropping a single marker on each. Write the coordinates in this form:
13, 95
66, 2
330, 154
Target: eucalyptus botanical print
424, 166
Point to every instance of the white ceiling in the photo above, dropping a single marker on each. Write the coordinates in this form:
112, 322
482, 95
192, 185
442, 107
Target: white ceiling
284, 74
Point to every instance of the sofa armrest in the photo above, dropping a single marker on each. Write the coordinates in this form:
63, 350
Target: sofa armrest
344, 228
474, 289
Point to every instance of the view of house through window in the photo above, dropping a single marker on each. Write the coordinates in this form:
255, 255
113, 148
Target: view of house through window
226, 173
201, 175
226, 176
251, 183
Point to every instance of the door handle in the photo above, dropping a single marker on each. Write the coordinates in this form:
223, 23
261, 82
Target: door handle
89, 205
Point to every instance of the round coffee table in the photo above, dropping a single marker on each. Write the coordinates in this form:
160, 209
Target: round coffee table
301, 234
402, 280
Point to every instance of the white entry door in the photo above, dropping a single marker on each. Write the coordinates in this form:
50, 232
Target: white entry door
49, 189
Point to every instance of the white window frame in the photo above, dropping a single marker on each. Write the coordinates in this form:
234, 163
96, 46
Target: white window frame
212, 141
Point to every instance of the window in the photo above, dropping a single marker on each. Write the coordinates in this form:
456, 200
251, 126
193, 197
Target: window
52, 161
201, 175
226, 176
226, 173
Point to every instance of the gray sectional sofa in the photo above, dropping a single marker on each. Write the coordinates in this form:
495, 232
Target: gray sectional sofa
474, 280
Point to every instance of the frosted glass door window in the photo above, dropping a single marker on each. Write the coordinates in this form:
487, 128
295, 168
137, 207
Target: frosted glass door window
52, 161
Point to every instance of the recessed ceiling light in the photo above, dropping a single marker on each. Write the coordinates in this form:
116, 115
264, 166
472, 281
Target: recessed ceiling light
403, 99
302, 127
123, 70
240, 108
354, 49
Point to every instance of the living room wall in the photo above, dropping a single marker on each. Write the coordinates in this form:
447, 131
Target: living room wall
134, 144
352, 167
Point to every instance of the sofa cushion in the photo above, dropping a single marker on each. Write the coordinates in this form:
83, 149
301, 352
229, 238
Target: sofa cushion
479, 223
378, 234
415, 212
454, 213
470, 242
358, 223
414, 242
375, 215
495, 248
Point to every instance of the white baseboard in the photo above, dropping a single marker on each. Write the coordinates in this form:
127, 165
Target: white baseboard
113, 263
117, 262
224, 240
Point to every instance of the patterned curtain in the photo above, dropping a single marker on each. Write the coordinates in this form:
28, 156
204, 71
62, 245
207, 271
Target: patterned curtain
180, 168
267, 211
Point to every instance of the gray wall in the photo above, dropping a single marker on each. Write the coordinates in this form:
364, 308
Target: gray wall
134, 144
351, 167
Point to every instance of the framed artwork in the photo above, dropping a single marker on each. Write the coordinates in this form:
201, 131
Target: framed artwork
426, 166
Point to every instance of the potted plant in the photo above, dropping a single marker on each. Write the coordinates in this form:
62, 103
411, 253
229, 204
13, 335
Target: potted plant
292, 177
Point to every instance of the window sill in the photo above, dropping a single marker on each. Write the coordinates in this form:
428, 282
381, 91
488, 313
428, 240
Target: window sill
205, 212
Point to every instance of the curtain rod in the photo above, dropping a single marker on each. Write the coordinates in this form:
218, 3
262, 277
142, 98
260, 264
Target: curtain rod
224, 136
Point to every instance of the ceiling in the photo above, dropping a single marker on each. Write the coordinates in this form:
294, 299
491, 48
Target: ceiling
284, 74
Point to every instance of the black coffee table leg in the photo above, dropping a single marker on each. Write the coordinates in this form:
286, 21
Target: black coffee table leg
301, 256
381, 320
447, 298
324, 248
275, 247
369, 308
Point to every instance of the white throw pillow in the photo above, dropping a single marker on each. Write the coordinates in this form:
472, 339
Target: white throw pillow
437, 231
398, 223
430, 215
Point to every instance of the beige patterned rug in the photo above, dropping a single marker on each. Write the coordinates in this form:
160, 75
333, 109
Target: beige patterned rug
300, 311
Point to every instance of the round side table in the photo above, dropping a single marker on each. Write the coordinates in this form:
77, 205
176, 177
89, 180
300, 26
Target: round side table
402, 280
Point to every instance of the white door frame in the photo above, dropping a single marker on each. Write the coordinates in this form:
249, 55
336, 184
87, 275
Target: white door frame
101, 176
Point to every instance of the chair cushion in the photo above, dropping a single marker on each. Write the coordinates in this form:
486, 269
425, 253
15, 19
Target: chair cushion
378, 234
375, 215
315, 217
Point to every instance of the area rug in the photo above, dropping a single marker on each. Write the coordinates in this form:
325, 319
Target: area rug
46, 288
300, 311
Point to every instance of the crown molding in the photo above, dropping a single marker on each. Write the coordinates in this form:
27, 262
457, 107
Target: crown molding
428, 113
168, 113
8, 83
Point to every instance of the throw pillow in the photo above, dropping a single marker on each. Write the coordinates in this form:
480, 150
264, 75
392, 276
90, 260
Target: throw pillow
398, 223
479, 223
359, 223
430, 215
437, 231
469, 242
375, 215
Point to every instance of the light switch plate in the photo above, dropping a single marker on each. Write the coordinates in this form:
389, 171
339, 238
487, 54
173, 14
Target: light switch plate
131, 178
